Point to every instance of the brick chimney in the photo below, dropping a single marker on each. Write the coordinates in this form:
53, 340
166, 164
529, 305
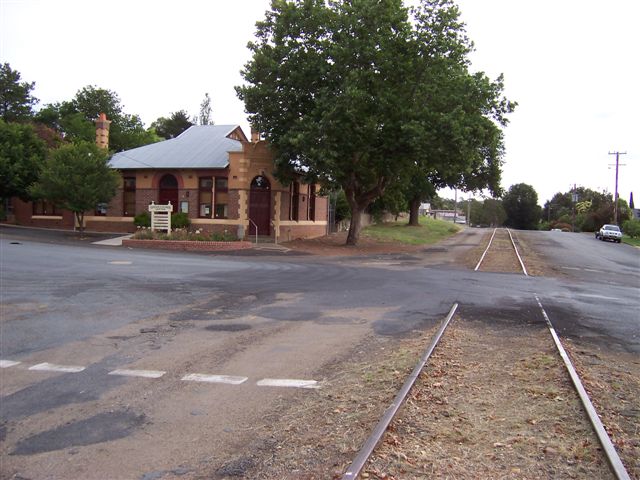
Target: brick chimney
102, 131
255, 135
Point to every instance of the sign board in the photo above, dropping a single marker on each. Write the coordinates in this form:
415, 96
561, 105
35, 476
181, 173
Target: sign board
160, 208
161, 217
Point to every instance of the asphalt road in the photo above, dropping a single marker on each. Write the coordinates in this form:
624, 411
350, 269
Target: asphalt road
245, 320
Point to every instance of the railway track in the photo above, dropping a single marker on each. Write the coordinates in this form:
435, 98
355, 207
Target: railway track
503, 245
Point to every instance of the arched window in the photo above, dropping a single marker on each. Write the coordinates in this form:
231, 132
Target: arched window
260, 183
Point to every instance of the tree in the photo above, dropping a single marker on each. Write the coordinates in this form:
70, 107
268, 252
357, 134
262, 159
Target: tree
16, 101
521, 206
22, 154
489, 212
458, 114
173, 126
75, 119
77, 177
341, 90
205, 111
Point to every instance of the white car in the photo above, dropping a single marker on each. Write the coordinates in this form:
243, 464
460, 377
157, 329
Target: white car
609, 232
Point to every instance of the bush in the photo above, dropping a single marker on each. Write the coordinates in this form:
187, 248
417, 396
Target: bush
143, 234
142, 220
226, 236
180, 220
631, 228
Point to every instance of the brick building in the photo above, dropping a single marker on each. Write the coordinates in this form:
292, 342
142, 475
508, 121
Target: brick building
213, 173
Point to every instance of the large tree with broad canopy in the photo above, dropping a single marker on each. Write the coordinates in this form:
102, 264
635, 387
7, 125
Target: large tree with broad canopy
365, 94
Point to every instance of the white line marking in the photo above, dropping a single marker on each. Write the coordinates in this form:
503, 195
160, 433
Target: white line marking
284, 382
50, 367
600, 297
201, 377
8, 363
138, 373
120, 262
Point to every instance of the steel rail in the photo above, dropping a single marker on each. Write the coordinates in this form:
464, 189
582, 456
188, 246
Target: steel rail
486, 250
365, 452
610, 451
524, 270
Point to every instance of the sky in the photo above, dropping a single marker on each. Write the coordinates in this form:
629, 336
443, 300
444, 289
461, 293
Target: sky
572, 65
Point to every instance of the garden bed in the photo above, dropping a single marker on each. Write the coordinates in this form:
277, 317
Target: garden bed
186, 245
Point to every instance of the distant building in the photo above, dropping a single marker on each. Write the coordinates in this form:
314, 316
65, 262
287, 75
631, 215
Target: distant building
425, 209
449, 216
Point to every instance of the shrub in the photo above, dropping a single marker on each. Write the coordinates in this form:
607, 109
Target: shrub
631, 228
225, 236
180, 220
143, 234
142, 220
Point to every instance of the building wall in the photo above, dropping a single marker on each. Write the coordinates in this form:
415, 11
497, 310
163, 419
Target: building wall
23, 215
254, 160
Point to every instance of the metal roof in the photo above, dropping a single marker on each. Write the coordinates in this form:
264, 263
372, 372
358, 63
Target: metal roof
200, 146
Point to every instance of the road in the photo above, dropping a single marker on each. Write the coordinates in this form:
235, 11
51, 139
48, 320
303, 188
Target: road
242, 321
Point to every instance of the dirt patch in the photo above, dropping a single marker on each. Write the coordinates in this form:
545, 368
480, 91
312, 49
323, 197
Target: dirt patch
334, 245
491, 409
494, 402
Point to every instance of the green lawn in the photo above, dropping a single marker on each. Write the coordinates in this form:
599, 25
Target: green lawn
631, 241
430, 231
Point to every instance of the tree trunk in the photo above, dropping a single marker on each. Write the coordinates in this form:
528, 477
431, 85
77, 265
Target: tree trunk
355, 226
414, 212
80, 218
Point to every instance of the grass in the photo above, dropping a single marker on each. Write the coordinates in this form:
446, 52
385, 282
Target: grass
429, 232
631, 241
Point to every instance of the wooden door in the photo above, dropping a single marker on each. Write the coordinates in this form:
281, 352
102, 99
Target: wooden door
260, 206
168, 191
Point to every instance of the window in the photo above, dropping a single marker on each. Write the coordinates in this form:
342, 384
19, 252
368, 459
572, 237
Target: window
101, 209
294, 200
312, 203
222, 197
129, 197
42, 207
205, 196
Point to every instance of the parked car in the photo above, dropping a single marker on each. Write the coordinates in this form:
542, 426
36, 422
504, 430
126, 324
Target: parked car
609, 232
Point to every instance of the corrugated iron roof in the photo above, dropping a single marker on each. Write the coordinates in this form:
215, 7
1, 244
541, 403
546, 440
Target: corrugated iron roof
200, 146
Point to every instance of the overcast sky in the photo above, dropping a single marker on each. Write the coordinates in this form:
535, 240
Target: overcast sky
572, 66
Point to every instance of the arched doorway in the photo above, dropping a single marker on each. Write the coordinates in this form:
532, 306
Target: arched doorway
260, 205
169, 191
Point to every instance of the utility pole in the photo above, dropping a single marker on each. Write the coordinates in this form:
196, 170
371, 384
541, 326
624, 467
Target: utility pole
615, 197
574, 199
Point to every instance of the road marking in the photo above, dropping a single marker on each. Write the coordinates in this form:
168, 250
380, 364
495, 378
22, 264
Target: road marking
600, 297
583, 269
201, 377
138, 373
120, 262
7, 363
285, 382
50, 367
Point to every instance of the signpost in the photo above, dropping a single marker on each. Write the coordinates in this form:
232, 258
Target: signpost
161, 217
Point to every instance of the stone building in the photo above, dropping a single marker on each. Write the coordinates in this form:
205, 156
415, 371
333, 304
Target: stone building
213, 173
